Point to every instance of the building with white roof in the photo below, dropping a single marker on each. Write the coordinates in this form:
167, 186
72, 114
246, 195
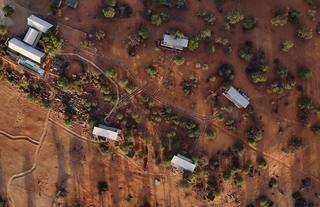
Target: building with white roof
172, 42
39, 24
182, 163
26, 50
106, 132
237, 97
32, 37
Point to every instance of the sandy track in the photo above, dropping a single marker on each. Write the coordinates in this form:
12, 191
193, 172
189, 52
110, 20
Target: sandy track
26, 138
24, 173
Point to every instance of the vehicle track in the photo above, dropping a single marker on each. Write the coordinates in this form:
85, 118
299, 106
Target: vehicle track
36, 156
26, 138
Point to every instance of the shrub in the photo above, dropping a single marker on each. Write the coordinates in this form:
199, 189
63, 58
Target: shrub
272, 183
51, 43
238, 180
109, 12
3, 30
304, 73
264, 201
152, 71
254, 135
111, 3
293, 16
282, 71
230, 124
100, 35
238, 147
234, 17
294, 144
207, 16
304, 33
193, 44
179, 60
111, 72
305, 104
262, 163
204, 34
211, 133
246, 51
156, 19
227, 174
211, 47
280, 17
249, 22
102, 187
287, 45
7, 10
226, 71
144, 32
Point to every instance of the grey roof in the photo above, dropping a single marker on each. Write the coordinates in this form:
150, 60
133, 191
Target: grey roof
72, 3
32, 37
239, 99
26, 50
174, 43
182, 163
38, 23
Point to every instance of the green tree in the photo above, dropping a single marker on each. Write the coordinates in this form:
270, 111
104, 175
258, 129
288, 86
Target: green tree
109, 12
304, 73
280, 17
249, 22
193, 44
51, 43
100, 35
156, 19
287, 45
152, 71
305, 104
7, 10
102, 187
211, 133
111, 3
111, 72
179, 60
304, 33
3, 30
144, 32
234, 17
262, 163
254, 135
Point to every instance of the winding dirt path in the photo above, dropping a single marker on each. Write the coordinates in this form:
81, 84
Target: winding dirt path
36, 156
26, 138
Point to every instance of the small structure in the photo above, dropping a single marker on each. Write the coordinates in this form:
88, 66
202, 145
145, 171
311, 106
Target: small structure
237, 96
106, 132
25, 50
178, 43
72, 3
182, 163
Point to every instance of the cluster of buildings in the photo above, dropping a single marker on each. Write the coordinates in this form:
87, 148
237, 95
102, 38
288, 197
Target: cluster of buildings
25, 50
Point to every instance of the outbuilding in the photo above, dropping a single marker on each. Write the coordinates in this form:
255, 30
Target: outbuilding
237, 96
178, 43
106, 132
39, 24
182, 163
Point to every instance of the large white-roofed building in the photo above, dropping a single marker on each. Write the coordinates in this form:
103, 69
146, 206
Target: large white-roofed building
172, 42
39, 24
26, 50
237, 97
106, 132
182, 163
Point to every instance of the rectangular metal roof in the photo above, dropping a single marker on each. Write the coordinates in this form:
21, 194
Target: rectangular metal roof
182, 163
26, 50
240, 100
106, 132
174, 43
39, 24
32, 37
72, 3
